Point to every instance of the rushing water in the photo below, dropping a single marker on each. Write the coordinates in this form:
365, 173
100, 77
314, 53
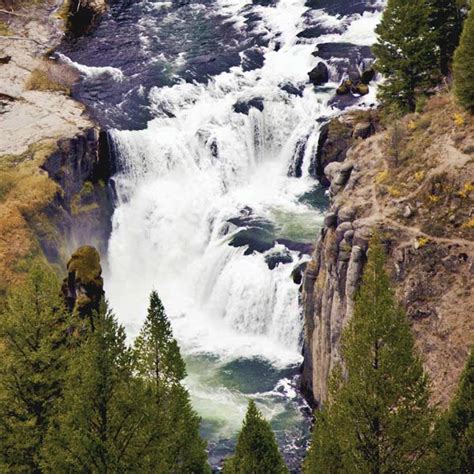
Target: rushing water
215, 129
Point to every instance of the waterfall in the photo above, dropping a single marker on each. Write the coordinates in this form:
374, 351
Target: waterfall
211, 210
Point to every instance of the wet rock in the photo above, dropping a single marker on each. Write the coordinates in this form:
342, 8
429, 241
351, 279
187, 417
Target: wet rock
319, 75
304, 248
274, 259
330, 220
367, 75
360, 89
243, 107
84, 16
292, 89
298, 272
345, 87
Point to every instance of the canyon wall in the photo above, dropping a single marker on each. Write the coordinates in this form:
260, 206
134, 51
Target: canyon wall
414, 184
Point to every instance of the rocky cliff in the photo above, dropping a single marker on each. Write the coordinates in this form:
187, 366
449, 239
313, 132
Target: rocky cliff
54, 161
414, 183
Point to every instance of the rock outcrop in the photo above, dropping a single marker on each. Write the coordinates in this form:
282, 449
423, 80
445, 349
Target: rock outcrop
421, 204
83, 288
54, 161
84, 15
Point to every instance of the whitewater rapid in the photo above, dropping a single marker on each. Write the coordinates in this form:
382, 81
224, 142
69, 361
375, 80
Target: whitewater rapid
184, 182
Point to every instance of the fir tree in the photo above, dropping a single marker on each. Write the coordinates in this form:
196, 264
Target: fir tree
454, 439
446, 19
378, 416
98, 426
257, 450
32, 368
463, 66
173, 444
405, 52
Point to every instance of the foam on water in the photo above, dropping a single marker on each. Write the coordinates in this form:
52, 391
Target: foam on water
197, 165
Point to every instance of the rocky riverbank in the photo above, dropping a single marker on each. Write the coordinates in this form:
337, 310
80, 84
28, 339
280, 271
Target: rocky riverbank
54, 160
414, 183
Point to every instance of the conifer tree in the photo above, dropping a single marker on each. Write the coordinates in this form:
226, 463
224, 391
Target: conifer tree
454, 438
463, 65
405, 52
173, 444
378, 416
257, 450
32, 368
98, 426
446, 19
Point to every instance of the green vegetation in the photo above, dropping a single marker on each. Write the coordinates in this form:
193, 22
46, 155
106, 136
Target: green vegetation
405, 52
446, 19
378, 416
32, 351
454, 437
257, 450
85, 401
463, 67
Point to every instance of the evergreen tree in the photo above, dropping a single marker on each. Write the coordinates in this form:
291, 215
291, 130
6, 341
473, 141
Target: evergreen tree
257, 450
98, 426
173, 444
378, 417
454, 439
446, 19
463, 66
405, 52
32, 368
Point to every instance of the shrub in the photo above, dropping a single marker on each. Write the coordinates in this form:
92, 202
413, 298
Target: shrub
52, 76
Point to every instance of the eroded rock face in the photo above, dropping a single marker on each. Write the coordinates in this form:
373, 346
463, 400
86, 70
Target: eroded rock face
431, 273
83, 288
81, 213
85, 15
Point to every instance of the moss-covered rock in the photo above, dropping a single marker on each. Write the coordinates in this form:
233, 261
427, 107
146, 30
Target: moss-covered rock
83, 288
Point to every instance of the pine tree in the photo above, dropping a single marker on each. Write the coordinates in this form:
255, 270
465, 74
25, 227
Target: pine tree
173, 444
446, 19
405, 52
32, 354
378, 416
98, 426
463, 66
257, 450
454, 438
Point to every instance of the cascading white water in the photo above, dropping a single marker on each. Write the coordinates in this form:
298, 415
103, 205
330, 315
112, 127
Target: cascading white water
199, 164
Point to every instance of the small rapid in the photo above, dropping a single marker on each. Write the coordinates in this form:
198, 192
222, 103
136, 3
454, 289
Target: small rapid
216, 205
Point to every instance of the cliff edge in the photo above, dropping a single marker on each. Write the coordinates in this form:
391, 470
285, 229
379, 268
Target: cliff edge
414, 184
54, 161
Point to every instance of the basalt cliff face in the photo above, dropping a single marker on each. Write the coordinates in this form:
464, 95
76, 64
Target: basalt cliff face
55, 162
414, 184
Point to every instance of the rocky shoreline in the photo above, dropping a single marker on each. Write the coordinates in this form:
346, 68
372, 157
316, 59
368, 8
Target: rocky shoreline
54, 160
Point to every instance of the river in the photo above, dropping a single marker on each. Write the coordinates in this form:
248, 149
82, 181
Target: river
214, 127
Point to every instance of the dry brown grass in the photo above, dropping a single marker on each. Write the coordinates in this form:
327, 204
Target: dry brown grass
52, 76
25, 191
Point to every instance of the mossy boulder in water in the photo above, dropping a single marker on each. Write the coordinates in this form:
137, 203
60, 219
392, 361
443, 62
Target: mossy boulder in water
83, 288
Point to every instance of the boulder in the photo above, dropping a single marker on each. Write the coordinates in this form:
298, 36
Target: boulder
360, 89
319, 75
243, 107
345, 87
363, 130
330, 220
367, 75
